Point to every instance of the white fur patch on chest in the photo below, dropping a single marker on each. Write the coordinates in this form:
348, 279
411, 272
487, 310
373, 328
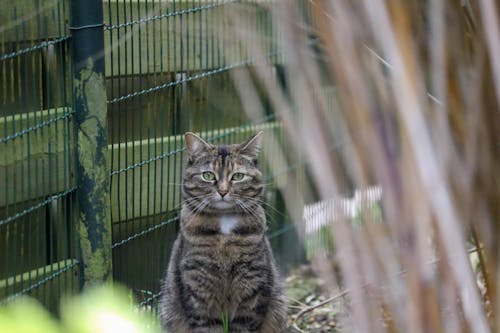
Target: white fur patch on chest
227, 224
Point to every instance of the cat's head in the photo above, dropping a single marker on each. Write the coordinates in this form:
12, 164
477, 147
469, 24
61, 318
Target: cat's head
224, 177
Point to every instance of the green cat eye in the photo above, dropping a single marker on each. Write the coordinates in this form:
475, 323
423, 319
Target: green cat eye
238, 176
208, 176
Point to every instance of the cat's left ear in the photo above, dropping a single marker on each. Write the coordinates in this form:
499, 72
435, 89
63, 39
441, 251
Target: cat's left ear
194, 144
251, 147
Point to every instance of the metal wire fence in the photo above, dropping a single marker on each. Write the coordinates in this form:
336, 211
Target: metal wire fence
168, 69
37, 241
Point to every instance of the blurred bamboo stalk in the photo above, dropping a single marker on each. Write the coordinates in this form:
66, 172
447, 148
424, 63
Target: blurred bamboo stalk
417, 100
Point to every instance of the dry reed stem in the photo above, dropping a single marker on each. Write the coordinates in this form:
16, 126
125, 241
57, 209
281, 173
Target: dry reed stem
416, 105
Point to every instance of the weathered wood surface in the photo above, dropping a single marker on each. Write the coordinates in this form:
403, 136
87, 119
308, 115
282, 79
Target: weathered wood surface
39, 162
46, 284
172, 36
146, 36
33, 20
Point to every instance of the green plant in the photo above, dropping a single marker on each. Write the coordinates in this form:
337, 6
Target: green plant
225, 321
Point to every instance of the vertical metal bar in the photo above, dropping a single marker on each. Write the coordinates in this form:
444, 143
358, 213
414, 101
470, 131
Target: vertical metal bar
111, 131
133, 130
91, 135
55, 209
139, 49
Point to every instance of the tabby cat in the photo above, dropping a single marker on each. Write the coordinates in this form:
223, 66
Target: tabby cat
221, 271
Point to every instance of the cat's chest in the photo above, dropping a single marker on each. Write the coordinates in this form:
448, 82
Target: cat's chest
227, 223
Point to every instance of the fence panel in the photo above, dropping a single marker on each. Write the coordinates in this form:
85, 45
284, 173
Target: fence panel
37, 241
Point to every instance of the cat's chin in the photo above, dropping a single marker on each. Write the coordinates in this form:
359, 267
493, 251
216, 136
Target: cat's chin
223, 204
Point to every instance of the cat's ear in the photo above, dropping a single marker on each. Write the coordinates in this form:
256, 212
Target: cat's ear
195, 144
251, 147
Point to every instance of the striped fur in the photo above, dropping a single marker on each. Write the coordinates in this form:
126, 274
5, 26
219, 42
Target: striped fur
221, 261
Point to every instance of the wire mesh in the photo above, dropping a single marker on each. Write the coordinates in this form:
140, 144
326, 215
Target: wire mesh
37, 239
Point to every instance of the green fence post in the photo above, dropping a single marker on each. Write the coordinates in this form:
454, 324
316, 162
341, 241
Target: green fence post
91, 135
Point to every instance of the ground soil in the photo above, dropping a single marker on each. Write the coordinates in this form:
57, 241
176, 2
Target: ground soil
305, 294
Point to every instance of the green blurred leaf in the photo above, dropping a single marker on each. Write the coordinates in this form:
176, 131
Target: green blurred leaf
26, 315
105, 309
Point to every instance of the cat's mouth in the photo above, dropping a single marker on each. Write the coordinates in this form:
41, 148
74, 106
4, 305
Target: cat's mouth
223, 203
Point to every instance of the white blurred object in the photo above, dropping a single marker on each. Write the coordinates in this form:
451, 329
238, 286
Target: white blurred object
327, 211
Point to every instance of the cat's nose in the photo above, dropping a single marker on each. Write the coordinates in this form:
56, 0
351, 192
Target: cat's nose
222, 192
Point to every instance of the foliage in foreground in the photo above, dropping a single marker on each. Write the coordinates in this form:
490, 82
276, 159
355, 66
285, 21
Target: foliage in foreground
105, 309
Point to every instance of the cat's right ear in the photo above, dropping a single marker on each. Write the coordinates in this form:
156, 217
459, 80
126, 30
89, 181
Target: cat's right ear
194, 144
